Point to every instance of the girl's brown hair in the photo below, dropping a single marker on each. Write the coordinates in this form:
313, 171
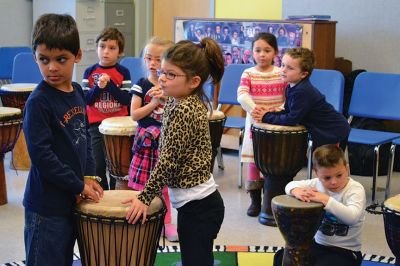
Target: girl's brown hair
203, 59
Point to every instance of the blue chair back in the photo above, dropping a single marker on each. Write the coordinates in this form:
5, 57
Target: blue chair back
230, 83
208, 88
25, 69
7, 55
376, 95
331, 84
136, 67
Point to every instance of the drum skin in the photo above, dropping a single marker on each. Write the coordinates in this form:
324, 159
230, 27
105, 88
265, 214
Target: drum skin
298, 222
391, 218
106, 238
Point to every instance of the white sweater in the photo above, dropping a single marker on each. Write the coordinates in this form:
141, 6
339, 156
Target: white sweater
346, 207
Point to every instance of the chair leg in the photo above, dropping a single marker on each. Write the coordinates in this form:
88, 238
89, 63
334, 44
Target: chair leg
375, 171
220, 159
390, 170
309, 159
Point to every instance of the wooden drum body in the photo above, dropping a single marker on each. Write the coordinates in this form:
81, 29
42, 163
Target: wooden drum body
279, 153
10, 127
15, 95
106, 238
391, 217
118, 134
216, 122
298, 222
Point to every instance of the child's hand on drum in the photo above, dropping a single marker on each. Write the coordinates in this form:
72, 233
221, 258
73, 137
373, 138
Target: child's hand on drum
92, 190
317, 196
138, 209
103, 80
303, 194
258, 113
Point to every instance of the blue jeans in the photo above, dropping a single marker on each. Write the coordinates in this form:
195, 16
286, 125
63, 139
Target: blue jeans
48, 240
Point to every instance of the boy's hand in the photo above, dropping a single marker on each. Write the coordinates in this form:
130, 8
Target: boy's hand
303, 194
137, 210
103, 80
259, 111
92, 190
319, 197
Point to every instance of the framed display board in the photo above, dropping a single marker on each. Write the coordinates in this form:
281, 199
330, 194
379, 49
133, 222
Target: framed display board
235, 36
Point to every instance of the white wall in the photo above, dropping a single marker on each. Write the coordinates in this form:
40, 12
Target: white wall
367, 32
15, 22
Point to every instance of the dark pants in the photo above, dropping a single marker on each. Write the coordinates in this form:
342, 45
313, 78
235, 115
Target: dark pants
327, 256
199, 222
48, 240
98, 148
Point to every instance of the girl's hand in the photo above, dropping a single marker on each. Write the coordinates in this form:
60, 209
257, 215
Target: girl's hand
156, 95
258, 113
138, 209
103, 80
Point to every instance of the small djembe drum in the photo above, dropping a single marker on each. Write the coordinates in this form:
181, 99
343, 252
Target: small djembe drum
106, 238
298, 222
118, 133
279, 153
391, 218
216, 122
10, 127
15, 95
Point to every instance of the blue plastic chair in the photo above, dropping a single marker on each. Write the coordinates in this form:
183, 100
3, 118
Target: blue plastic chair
331, 84
375, 95
25, 69
7, 55
228, 95
136, 67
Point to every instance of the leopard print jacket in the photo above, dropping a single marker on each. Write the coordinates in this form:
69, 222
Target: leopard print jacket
185, 148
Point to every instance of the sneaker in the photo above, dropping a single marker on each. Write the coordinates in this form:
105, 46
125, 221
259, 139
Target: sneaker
170, 233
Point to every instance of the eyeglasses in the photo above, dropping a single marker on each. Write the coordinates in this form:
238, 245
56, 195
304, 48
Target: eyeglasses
169, 75
328, 228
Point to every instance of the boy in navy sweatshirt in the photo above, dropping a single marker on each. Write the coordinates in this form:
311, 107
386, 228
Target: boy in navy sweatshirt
56, 130
304, 104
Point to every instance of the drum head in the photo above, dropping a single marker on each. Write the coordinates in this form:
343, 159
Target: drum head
110, 205
118, 126
272, 127
287, 201
393, 203
216, 115
18, 87
9, 113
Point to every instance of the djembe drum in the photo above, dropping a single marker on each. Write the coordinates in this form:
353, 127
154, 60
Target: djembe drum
118, 133
216, 122
391, 218
15, 95
10, 127
106, 238
298, 222
279, 153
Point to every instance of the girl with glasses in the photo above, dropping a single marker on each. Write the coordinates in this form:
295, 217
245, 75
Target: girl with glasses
147, 108
185, 150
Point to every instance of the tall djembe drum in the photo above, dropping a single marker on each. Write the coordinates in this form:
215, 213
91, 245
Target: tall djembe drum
216, 122
15, 95
391, 218
105, 237
10, 127
298, 222
118, 133
279, 153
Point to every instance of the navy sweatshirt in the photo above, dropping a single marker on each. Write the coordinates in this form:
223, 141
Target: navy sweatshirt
305, 105
58, 142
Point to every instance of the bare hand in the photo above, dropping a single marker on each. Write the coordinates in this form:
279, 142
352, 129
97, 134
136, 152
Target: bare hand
92, 190
138, 209
303, 194
258, 113
103, 80
157, 95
